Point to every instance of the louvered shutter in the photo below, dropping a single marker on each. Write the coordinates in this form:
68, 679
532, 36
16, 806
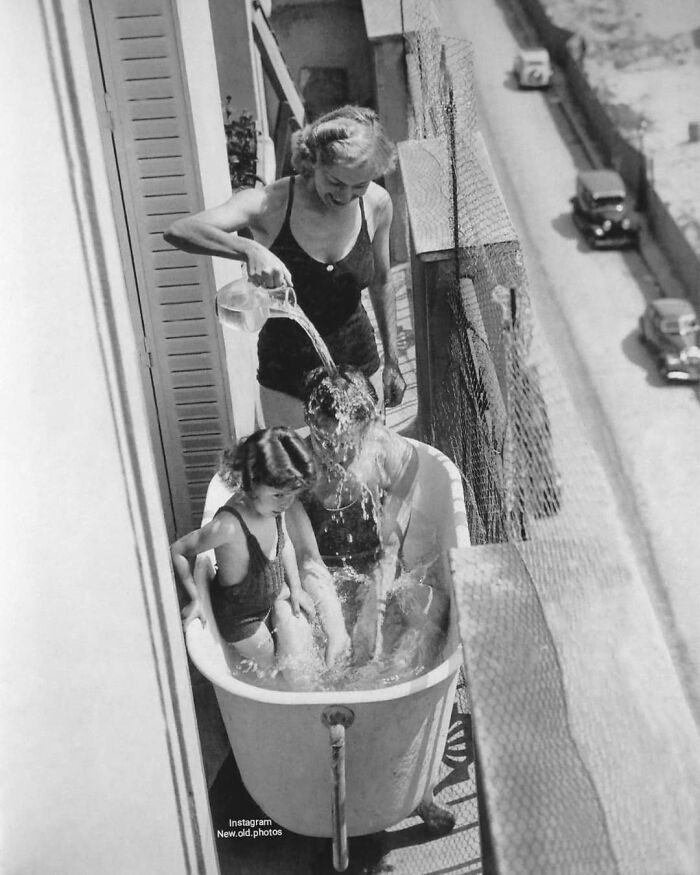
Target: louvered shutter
147, 100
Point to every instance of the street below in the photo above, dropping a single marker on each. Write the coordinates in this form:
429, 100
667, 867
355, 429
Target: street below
644, 433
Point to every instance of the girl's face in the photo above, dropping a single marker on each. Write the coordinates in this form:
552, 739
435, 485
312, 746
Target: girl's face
271, 501
337, 185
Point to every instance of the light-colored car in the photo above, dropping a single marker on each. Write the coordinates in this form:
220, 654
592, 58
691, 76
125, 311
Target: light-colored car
532, 68
669, 328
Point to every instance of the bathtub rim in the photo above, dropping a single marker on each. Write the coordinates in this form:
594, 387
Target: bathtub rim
195, 632
226, 682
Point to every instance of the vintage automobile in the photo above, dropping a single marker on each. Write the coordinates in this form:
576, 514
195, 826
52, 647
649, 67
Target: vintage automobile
532, 68
602, 211
669, 328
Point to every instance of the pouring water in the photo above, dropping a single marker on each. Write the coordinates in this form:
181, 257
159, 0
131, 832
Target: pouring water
243, 306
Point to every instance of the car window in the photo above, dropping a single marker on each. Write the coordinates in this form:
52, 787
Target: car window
609, 201
670, 326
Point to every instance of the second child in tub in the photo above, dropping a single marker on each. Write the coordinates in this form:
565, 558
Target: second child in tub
257, 590
360, 505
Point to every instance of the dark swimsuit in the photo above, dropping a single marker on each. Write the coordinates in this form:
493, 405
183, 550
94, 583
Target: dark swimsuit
240, 609
347, 535
330, 295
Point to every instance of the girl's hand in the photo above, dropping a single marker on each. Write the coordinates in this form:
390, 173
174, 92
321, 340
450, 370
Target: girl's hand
193, 611
266, 269
394, 384
301, 600
307, 603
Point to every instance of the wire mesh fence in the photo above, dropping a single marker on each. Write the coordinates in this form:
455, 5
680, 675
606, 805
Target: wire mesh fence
541, 515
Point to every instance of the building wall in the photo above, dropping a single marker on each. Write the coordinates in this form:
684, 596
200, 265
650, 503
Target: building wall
326, 34
101, 764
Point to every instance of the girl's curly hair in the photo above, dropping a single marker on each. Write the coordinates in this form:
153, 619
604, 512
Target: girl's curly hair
275, 457
347, 135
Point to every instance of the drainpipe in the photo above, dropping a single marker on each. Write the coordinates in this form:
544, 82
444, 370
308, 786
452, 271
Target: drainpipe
338, 718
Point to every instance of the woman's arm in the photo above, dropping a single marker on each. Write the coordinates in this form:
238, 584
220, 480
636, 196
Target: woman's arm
212, 232
384, 301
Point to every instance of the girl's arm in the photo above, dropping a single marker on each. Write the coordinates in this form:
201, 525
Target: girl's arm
317, 582
185, 550
211, 232
384, 301
401, 468
297, 597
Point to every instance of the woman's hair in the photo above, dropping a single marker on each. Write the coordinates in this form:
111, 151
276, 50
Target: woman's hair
348, 135
347, 396
275, 457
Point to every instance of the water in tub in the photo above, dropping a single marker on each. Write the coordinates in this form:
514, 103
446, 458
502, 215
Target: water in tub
413, 623
413, 632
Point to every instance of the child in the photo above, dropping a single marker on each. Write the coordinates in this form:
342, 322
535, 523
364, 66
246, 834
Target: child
360, 505
257, 588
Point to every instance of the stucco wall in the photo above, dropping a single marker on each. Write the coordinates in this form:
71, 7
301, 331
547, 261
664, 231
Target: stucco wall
326, 34
101, 770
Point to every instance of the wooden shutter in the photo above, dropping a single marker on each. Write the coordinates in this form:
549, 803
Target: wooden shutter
146, 98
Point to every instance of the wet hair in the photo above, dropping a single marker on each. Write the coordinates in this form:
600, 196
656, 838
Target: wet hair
347, 135
275, 457
348, 397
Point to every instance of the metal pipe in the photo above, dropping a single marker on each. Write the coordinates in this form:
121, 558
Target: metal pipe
337, 718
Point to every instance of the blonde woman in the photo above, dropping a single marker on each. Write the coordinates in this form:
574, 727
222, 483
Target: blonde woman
324, 230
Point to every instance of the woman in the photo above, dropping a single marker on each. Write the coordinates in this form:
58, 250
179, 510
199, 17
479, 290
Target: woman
325, 231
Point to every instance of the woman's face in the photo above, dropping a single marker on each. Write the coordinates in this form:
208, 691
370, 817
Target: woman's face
337, 185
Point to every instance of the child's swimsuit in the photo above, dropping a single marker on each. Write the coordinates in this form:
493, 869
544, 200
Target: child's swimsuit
330, 295
240, 609
348, 534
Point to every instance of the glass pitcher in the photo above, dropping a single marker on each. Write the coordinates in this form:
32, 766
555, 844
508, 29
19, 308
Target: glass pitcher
246, 307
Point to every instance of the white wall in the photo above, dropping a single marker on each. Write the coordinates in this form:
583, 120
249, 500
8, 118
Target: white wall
99, 756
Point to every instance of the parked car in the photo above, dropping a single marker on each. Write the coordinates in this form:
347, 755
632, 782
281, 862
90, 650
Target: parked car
532, 68
602, 210
669, 328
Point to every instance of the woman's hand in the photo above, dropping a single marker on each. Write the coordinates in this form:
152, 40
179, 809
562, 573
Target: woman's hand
265, 268
394, 384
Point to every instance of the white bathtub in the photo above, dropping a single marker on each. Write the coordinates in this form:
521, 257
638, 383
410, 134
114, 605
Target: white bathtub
395, 743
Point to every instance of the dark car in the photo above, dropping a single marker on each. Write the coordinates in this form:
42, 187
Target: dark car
669, 328
602, 211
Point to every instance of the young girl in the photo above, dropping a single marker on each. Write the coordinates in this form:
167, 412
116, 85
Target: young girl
257, 589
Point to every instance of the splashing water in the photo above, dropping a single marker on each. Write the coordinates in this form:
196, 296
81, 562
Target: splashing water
414, 635
243, 306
